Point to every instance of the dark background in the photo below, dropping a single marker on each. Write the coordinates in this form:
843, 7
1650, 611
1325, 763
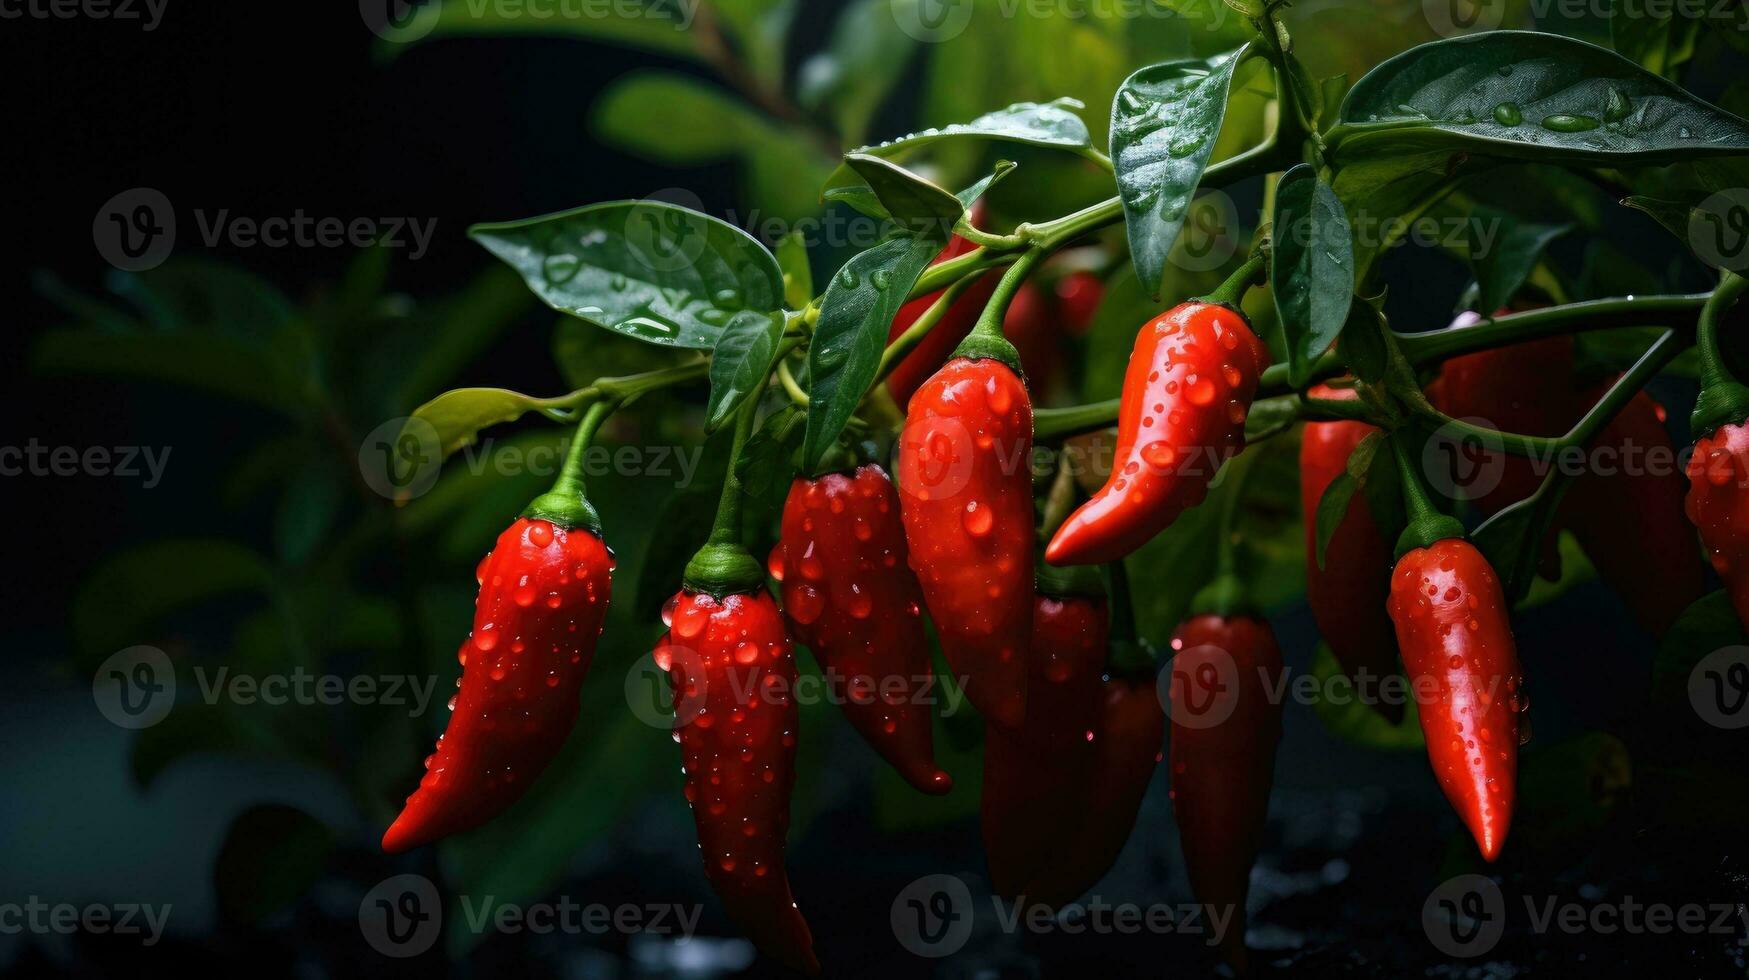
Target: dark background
264, 111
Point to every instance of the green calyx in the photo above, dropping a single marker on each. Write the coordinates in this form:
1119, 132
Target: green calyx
1723, 399
1425, 530
565, 508
1225, 596
1721, 403
722, 570
979, 346
1427, 523
1074, 580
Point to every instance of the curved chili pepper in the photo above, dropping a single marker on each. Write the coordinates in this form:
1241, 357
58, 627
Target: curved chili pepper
850, 595
1456, 639
1190, 382
1348, 593
733, 673
1037, 777
1225, 726
1718, 506
965, 470
1632, 524
543, 597
1126, 749
915, 368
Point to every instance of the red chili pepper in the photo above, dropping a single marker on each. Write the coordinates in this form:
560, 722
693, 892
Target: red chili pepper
965, 468
1078, 296
1226, 721
1348, 593
916, 367
1126, 749
1631, 523
851, 596
1456, 639
1717, 505
1190, 382
734, 674
1037, 778
543, 597
1033, 327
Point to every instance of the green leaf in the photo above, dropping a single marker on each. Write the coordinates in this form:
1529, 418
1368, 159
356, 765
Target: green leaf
1528, 96
866, 55
917, 204
741, 362
1358, 723
1363, 342
1504, 265
271, 854
798, 275
1333, 505
1312, 269
1673, 215
219, 365
458, 415
1512, 539
858, 310
648, 269
465, 327
766, 466
123, 600
1164, 123
1035, 124
970, 195
1659, 37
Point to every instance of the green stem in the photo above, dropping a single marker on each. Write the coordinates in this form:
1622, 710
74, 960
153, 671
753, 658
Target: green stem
1427, 523
724, 566
1052, 423
1128, 655
1230, 292
1225, 594
1723, 399
906, 342
790, 387
567, 504
986, 338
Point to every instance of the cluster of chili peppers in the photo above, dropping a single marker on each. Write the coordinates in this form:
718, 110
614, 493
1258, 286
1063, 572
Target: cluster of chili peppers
1050, 656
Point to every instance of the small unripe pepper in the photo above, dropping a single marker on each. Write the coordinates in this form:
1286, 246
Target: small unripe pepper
851, 596
1348, 593
1456, 640
1226, 723
543, 597
1037, 777
965, 471
1188, 388
734, 674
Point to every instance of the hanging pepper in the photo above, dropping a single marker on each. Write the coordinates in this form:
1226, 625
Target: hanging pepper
1225, 726
733, 672
1037, 777
850, 595
1718, 469
1455, 635
1078, 296
924, 359
1190, 382
1347, 594
1035, 330
1650, 558
965, 469
543, 597
1127, 746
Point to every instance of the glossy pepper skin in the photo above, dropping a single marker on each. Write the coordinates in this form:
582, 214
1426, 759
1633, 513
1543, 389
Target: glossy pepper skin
1632, 523
1127, 747
1348, 594
1037, 777
543, 598
733, 672
1718, 506
916, 367
1456, 641
966, 477
850, 595
1225, 726
1190, 382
